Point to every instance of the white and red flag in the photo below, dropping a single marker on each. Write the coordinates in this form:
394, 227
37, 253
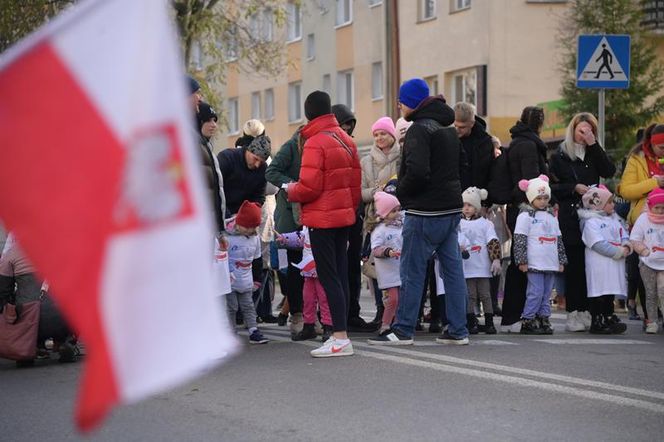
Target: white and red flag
99, 180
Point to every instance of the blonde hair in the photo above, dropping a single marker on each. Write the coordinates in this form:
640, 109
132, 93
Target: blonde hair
568, 144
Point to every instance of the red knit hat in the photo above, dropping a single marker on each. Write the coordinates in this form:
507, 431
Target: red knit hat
655, 197
249, 215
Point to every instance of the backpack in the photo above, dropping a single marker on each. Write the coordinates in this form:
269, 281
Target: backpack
500, 184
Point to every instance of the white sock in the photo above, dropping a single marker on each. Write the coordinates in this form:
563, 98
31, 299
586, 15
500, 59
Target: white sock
252, 329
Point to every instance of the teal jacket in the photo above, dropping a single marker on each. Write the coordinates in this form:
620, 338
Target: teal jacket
285, 168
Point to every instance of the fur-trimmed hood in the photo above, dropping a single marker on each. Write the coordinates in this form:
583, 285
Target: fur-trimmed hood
525, 207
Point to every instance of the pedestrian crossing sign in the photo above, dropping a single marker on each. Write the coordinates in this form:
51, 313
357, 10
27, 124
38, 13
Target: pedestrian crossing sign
602, 61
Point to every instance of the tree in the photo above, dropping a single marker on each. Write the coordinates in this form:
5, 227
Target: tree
231, 31
626, 109
19, 18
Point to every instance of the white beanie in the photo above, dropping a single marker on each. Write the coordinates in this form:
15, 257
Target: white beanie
536, 187
474, 197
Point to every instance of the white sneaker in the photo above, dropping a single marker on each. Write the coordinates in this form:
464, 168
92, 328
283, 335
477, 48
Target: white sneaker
652, 327
585, 319
514, 328
332, 348
574, 324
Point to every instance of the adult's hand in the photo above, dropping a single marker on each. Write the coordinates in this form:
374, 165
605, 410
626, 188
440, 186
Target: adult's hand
588, 136
581, 189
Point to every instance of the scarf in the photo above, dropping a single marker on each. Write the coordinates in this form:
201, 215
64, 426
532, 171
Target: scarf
654, 168
654, 218
580, 151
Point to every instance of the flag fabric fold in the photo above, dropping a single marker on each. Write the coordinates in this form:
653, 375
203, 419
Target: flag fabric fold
100, 184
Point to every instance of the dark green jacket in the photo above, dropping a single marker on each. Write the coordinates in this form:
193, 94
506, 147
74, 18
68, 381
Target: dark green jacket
285, 168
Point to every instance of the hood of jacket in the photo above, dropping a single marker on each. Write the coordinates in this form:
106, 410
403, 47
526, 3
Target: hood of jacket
382, 159
521, 130
478, 133
524, 207
324, 122
435, 108
344, 115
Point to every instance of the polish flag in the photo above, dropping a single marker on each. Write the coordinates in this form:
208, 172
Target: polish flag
100, 182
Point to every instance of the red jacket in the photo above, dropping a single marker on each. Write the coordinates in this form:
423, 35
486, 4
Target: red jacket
330, 176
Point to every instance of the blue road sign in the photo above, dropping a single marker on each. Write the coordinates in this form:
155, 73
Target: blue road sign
602, 61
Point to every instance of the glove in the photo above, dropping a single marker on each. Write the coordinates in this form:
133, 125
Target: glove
496, 267
465, 254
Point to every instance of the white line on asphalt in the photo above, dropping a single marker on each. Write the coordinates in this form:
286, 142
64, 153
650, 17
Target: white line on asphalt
510, 369
593, 341
586, 394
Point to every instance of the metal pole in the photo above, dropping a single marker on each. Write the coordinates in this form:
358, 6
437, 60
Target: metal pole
602, 118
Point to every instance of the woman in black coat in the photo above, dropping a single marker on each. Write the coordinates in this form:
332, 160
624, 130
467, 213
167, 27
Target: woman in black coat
527, 160
578, 163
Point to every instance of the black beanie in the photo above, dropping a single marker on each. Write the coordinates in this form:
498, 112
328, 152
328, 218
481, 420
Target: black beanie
205, 114
317, 103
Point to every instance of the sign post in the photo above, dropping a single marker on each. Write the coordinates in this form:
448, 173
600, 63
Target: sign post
603, 62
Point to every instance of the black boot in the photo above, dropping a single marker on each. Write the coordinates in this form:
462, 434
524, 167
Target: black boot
378, 319
489, 328
472, 324
598, 326
435, 326
615, 325
308, 332
327, 333
545, 325
530, 327
282, 320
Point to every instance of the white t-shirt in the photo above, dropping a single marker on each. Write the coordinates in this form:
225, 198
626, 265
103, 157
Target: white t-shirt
604, 275
387, 269
440, 284
653, 236
542, 231
478, 232
242, 250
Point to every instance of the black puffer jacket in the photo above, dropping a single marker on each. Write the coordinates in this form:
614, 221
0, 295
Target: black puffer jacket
566, 174
430, 162
479, 152
526, 158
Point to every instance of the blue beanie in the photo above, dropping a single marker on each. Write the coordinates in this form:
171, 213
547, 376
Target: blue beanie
193, 84
413, 92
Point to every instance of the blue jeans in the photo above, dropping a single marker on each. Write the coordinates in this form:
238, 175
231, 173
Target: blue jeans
538, 294
422, 237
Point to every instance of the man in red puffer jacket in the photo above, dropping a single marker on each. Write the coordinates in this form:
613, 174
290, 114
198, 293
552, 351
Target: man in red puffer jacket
329, 191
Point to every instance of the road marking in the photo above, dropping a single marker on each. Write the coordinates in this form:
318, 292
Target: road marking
422, 343
587, 383
593, 341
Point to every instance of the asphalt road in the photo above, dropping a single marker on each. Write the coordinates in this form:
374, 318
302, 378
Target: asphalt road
571, 387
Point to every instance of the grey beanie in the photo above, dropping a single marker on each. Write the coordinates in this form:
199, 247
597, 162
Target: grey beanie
261, 146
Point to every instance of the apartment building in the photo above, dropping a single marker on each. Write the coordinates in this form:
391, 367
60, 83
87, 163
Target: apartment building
333, 45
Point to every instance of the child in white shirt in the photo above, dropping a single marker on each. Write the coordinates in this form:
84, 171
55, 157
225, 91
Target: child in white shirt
386, 243
244, 246
539, 251
648, 241
607, 245
484, 258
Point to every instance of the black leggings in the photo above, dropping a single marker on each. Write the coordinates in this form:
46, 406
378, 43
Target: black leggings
601, 305
635, 283
576, 291
294, 282
329, 249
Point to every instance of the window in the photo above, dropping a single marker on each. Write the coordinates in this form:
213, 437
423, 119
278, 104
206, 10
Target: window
469, 85
432, 82
427, 9
268, 113
294, 102
311, 47
230, 44
344, 12
377, 80
256, 105
345, 91
196, 61
373, 3
261, 25
233, 116
294, 24
327, 83
459, 5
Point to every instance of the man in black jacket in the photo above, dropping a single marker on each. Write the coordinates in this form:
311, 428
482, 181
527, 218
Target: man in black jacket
429, 189
243, 170
476, 143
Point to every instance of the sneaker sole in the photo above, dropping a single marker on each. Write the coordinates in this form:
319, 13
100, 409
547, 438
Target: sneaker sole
333, 355
464, 341
575, 329
259, 342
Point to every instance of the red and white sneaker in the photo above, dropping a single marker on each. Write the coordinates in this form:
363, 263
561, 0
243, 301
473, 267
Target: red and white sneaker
332, 348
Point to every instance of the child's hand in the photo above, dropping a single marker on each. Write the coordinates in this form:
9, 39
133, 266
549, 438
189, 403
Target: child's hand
645, 252
561, 268
626, 251
280, 239
523, 267
395, 253
257, 285
496, 268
